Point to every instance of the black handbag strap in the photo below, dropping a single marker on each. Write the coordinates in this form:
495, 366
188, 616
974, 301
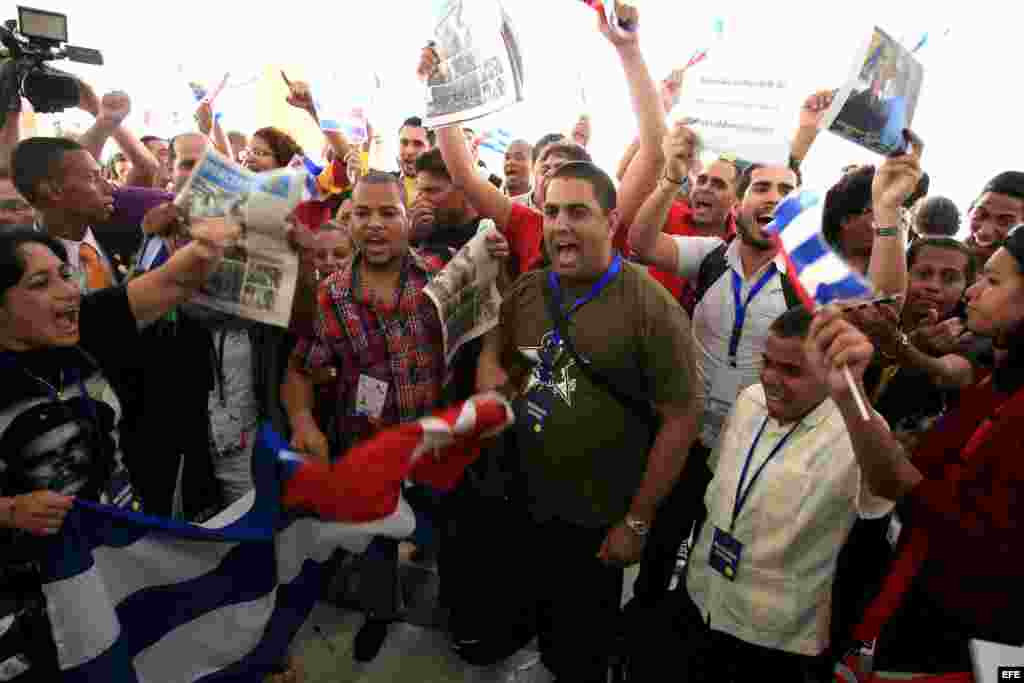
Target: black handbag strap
639, 407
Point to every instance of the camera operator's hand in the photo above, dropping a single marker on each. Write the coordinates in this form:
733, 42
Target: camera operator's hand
114, 109
88, 100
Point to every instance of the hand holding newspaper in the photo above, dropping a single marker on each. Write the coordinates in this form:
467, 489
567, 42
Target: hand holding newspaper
256, 279
465, 293
480, 68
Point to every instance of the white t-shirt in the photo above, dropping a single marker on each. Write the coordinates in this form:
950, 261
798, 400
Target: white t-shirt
712, 327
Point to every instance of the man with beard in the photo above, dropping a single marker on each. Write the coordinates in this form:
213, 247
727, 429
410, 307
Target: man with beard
739, 289
384, 338
413, 141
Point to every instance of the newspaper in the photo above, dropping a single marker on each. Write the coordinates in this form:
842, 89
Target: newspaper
879, 99
466, 294
256, 279
740, 107
481, 66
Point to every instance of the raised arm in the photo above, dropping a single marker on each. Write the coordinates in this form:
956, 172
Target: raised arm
642, 176
158, 291
811, 114
110, 113
894, 181
648, 242
210, 127
485, 198
833, 344
300, 96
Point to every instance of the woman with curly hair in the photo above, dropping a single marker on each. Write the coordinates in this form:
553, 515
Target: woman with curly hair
270, 148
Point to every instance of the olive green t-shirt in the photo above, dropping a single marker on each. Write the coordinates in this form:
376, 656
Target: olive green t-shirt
587, 461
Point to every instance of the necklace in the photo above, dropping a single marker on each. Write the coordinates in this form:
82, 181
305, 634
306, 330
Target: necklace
56, 391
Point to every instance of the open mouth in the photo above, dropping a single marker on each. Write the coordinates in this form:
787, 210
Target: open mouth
702, 205
764, 218
567, 254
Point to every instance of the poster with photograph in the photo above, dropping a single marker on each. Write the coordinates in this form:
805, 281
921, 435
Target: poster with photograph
481, 68
879, 99
257, 277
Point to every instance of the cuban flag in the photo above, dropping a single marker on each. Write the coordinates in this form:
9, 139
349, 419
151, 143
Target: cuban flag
818, 274
136, 598
496, 140
351, 122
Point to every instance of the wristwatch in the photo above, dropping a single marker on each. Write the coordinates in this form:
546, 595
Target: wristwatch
637, 526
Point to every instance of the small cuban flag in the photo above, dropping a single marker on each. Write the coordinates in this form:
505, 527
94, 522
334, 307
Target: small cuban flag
303, 164
818, 274
496, 140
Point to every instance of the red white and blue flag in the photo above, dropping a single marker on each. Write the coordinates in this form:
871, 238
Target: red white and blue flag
819, 275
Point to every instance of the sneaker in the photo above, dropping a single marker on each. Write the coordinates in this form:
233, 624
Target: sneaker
369, 640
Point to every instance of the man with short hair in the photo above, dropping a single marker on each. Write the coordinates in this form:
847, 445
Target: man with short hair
442, 219
524, 227
592, 493
14, 209
935, 217
413, 140
371, 310
999, 207
786, 491
160, 149
517, 172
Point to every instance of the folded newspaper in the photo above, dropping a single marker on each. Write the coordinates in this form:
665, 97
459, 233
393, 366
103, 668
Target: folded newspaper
481, 67
256, 280
466, 294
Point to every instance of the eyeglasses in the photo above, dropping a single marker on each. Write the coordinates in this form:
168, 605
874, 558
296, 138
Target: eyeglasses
264, 153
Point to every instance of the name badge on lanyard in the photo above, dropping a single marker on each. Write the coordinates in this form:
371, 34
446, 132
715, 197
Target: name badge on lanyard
540, 399
726, 549
740, 316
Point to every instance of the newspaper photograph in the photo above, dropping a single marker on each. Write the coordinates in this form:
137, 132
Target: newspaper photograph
879, 99
466, 294
256, 280
481, 67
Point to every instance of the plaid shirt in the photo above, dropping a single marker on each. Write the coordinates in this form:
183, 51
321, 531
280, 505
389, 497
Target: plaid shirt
400, 344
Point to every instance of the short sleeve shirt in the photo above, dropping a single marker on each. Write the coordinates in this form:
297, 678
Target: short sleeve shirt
795, 520
525, 234
590, 457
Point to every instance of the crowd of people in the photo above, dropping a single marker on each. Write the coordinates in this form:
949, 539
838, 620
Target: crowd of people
673, 396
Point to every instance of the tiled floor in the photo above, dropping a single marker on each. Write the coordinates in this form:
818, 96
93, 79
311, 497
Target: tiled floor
411, 654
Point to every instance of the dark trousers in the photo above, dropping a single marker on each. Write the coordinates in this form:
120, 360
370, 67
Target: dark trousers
682, 510
576, 597
682, 642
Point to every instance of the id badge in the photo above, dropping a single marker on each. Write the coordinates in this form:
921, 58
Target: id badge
538, 406
725, 554
370, 396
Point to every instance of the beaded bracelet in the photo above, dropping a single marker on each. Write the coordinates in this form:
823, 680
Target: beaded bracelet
886, 232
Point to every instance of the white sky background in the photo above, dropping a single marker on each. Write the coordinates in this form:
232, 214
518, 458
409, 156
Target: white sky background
969, 113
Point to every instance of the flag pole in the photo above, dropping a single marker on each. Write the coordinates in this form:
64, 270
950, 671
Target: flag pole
808, 302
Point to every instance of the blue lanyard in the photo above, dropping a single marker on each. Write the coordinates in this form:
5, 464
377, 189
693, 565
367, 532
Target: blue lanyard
741, 307
741, 494
556, 292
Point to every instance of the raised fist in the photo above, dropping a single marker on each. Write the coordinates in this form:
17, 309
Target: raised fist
114, 108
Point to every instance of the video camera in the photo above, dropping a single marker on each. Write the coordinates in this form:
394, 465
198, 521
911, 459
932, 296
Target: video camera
37, 37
